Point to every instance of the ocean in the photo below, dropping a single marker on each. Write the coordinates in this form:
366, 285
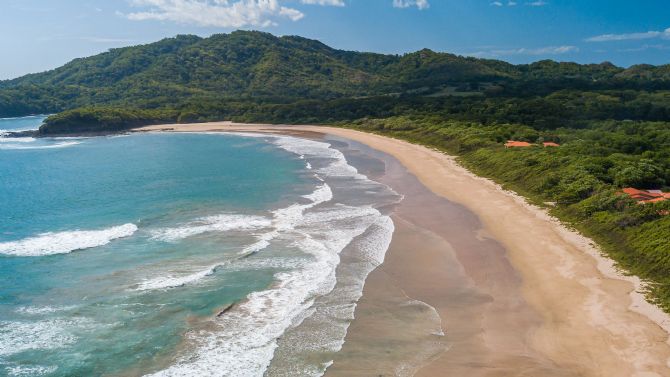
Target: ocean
181, 254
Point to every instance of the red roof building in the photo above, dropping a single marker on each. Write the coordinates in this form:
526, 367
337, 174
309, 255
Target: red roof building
516, 144
646, 196
550, 144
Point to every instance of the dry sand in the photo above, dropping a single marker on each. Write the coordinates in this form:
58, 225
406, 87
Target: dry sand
525, 297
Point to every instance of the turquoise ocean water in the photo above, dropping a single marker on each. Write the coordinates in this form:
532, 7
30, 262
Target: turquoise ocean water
122, 255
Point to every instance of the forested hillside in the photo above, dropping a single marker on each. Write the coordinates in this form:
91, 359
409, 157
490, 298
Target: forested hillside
245, 73
232, 66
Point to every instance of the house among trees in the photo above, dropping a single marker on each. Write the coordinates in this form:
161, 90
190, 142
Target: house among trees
646, 196
516, 144
523, 144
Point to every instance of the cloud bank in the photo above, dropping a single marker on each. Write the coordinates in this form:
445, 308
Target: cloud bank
665, 34
235, 13
549, 50
222, 13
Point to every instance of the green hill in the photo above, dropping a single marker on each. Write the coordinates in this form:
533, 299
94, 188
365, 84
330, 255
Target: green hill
260, 66
240, 64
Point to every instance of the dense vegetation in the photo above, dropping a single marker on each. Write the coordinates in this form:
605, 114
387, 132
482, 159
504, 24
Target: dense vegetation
103, 120
612, 122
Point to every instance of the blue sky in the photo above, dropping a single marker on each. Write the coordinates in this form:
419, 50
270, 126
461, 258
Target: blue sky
36, 35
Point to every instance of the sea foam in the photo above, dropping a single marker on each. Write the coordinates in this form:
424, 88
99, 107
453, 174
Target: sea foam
283, 220
30, 371
65, 242
17, 337
165, 282
218, 223
42, 310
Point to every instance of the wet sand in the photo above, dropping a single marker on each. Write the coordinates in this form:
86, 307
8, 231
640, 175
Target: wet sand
517, 293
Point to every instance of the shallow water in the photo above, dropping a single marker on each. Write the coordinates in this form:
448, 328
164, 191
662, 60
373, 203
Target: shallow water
117, 254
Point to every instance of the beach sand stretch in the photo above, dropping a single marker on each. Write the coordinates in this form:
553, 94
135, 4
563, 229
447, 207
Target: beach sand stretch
516, 292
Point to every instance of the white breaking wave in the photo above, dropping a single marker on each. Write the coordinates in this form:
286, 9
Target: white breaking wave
218, 223
14, 139
21, 146
339, 167
374, 246
327, 321
245, 339
25, 117
284, 219
65, 242
39, 310
165, 282
306, 149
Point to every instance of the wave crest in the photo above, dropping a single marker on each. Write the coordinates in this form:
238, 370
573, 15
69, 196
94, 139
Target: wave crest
166, 282
65, 242
218, 223
24, 144
284, 219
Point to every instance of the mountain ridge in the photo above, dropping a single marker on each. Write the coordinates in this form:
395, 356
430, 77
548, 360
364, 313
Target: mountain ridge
252, 64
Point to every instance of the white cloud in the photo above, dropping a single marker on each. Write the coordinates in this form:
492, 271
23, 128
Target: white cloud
646, 47
236, 13
335, 3
421, 4
665, 34
552, 50
500, 3
538, 3
549, 50
219, 13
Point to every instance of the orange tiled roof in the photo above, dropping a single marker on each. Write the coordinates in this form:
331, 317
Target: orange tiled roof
660, 199
516, 144
644, 196
631, 191
550, 144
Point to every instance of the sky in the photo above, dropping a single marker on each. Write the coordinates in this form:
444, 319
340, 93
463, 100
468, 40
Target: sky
37, 35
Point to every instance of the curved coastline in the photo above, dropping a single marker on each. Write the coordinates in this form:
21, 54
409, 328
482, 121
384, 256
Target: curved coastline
591, 319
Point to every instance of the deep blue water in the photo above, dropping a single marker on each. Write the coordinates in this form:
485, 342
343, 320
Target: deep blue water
117, 253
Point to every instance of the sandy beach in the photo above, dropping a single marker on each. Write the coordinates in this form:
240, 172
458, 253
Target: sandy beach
516, 293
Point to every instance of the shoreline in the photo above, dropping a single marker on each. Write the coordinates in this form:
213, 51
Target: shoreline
593, 319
